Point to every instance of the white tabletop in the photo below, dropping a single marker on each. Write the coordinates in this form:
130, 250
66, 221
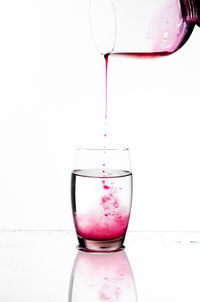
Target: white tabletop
37, 266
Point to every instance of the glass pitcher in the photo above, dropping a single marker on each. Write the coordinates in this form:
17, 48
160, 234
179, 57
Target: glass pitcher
147, 27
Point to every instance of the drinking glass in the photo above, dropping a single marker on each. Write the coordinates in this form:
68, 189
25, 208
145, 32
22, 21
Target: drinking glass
101, 195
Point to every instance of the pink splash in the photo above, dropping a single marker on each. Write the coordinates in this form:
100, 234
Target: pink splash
104, 185
108, 222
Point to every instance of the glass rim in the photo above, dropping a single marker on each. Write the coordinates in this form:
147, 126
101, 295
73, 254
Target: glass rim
100, 148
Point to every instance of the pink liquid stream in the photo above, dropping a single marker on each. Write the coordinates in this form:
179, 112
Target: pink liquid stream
112, 222
106, 107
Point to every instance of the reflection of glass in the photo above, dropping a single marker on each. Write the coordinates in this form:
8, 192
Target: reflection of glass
142, 26
101, 191
102, 277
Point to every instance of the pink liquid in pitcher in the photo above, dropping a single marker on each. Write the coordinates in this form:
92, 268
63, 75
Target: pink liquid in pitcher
144, 55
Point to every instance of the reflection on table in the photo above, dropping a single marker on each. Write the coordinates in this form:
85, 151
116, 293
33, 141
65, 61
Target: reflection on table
102, 277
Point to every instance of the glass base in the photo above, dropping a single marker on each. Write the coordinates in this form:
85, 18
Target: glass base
108, 246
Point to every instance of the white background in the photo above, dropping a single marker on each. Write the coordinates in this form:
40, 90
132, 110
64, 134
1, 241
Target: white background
52, 98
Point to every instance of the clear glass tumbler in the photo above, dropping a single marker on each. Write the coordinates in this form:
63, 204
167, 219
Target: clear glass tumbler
101, 194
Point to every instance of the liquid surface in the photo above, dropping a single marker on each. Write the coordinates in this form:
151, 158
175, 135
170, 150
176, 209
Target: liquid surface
101, 174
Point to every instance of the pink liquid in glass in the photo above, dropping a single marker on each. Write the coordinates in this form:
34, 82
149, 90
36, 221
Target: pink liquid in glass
101, 203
